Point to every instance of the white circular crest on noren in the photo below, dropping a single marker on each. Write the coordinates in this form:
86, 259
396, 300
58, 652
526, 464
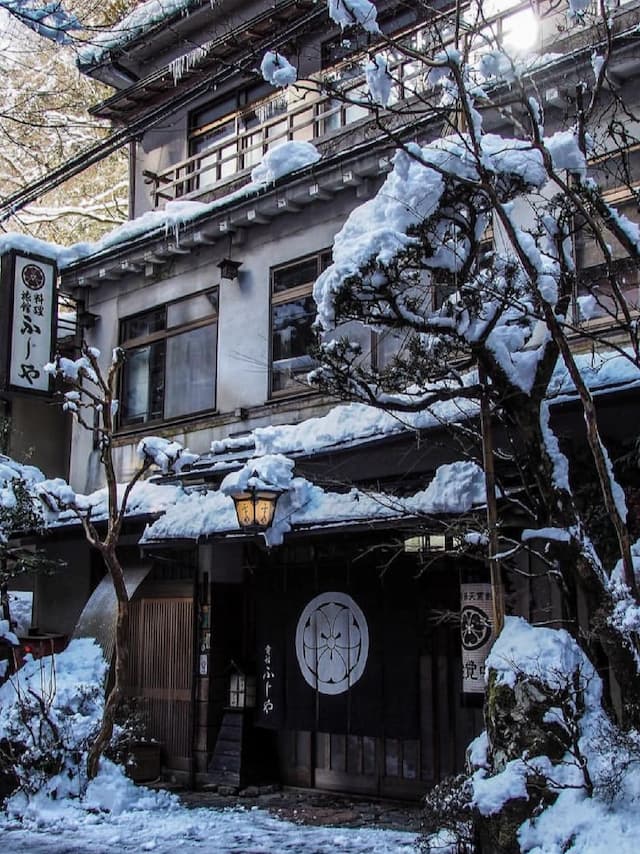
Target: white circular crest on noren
332, 643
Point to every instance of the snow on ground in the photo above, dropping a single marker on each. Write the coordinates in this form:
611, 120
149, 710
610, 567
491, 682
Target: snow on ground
60, 813
175, 828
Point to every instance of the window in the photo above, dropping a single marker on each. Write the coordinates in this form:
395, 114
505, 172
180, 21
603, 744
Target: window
170, 366
293, 312
223, 133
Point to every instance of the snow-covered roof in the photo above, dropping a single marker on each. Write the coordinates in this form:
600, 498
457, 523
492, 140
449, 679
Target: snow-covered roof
137, 23
456, 488
282, 160
349, 425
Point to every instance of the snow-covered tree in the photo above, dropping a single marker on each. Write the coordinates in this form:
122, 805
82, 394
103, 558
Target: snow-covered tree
91, 397
497, 240
19, 514
44, 120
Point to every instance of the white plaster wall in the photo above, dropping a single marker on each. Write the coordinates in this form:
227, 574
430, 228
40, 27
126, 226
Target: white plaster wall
244, 327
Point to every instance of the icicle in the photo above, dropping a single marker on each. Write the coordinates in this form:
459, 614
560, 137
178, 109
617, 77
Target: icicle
179, 66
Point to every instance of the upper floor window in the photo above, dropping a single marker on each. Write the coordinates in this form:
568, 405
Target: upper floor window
221, 134
170, 366
293, 312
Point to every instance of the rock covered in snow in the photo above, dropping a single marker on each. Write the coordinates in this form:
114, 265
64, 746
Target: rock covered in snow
552, 770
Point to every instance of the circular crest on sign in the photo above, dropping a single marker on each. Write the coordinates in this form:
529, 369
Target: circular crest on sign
33, 276
332, 642
475, 627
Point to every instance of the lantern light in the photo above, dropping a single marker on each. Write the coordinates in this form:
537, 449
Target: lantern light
255, 508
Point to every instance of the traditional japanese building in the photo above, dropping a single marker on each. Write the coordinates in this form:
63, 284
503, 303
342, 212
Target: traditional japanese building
329, 660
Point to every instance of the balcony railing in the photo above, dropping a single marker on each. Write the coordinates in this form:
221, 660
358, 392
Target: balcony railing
237, 142
243, 139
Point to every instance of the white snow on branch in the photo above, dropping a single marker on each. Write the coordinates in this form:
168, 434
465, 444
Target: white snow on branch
558, 535
377, 231
565, 152
16, 477
348, 13
166, 454
72, 369
577, 8
379, 81
277, 70
552, 446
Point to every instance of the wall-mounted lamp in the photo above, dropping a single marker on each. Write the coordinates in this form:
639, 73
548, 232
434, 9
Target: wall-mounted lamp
255, 508
229, 269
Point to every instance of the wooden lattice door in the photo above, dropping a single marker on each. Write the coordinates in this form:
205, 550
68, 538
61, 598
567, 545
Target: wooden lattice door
161, 673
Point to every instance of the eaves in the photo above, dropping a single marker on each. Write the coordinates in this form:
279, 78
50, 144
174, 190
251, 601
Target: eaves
237, 214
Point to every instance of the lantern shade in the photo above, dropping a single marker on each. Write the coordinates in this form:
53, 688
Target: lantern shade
229, 268
255, 508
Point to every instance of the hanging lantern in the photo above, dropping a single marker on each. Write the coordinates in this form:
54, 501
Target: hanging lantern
255, 508
229, 269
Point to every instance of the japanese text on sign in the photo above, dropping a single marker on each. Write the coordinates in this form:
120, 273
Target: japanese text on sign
267, 682
31, 328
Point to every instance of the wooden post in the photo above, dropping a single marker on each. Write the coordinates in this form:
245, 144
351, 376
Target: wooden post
497, 592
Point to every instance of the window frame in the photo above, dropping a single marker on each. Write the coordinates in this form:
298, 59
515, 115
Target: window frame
163, 335
296, 292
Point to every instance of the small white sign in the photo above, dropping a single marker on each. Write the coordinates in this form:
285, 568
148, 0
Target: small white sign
32, 322
204, 664
476, 632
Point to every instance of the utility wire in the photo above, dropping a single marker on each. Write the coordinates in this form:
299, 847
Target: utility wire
116, 140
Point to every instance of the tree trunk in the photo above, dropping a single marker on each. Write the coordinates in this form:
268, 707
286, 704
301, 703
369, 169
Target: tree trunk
121, 670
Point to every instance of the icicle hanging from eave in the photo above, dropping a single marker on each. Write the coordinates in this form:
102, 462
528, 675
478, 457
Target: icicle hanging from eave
179, 66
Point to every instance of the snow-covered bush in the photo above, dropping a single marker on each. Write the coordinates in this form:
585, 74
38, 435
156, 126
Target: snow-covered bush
447, 817
49, 713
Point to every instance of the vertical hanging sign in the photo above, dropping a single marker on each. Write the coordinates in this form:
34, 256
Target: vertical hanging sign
477, 634
33, 319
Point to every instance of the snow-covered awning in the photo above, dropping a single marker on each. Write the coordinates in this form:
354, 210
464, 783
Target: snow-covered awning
457, 488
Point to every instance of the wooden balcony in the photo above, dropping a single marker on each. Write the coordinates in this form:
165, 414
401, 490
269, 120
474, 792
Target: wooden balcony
225, 151
245, 137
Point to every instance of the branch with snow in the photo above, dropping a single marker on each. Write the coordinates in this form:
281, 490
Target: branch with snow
349, 13
166, 454
277, 70
379, 80
49, 20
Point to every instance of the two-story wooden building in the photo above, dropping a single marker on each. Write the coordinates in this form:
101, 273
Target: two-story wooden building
208, 291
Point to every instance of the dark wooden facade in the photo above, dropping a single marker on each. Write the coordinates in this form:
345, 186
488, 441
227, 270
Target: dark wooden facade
398, 728
404, 724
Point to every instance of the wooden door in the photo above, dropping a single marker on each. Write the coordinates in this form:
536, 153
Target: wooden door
161, 673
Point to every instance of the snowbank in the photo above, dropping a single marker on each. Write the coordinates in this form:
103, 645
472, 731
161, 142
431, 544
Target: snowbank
575, 822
